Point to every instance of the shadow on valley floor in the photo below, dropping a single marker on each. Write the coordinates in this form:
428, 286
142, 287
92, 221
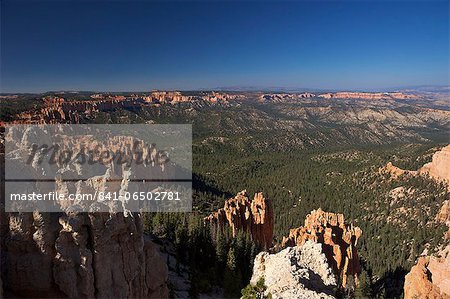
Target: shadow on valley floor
207, 197
391, 284
200, 185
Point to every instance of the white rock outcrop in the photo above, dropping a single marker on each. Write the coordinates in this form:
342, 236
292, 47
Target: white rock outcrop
439, 167
296, 272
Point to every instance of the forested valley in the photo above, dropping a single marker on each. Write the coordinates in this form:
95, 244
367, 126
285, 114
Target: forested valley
341, 180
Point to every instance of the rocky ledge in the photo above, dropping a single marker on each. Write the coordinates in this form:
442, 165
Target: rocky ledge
439, 167
86, 255
295, 272
430, 277
338, 241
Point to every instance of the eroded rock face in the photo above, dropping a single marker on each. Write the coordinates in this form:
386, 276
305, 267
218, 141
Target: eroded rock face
295, 272
283, 97
439, 167
85, 255
242, 214
444, 216
338, 241
56, 110
430, 277
174, 97
369, 95
394, 171
78, 255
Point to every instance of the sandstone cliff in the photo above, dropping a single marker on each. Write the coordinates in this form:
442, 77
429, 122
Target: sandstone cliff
430, 277
338, 240
284, 97
395, 172
77, 255
439, 167
369, 95
295, 273
174, 97
59, 110
280, 97
444, 216
242, 214
95, 255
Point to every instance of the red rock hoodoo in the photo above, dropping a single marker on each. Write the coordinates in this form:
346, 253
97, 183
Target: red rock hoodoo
338, 241
242, 214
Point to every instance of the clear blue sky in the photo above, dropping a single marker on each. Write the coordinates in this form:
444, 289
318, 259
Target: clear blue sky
142, 45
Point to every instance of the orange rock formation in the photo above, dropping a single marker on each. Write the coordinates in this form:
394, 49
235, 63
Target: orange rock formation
338, 241
59, 110
242, 214
430, 277
369, 95
439, 167
444, 216
394, 171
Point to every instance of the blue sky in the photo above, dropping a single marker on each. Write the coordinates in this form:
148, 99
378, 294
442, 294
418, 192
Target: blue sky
143, 45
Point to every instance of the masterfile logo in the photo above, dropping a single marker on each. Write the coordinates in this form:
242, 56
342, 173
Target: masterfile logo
98, 168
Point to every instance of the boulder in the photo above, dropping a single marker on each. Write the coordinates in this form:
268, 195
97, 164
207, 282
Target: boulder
295, 272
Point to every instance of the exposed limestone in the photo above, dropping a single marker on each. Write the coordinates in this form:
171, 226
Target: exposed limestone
444, 216
369, 95
340, 95
338, 239
242, 214
347, 120
95, 255
59, 110
79, 255
174, 97
283, 97
127, 158
394, 171
439, 167
295, 272
430, 277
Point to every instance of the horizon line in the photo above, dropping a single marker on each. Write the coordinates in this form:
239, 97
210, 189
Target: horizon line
238, 89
